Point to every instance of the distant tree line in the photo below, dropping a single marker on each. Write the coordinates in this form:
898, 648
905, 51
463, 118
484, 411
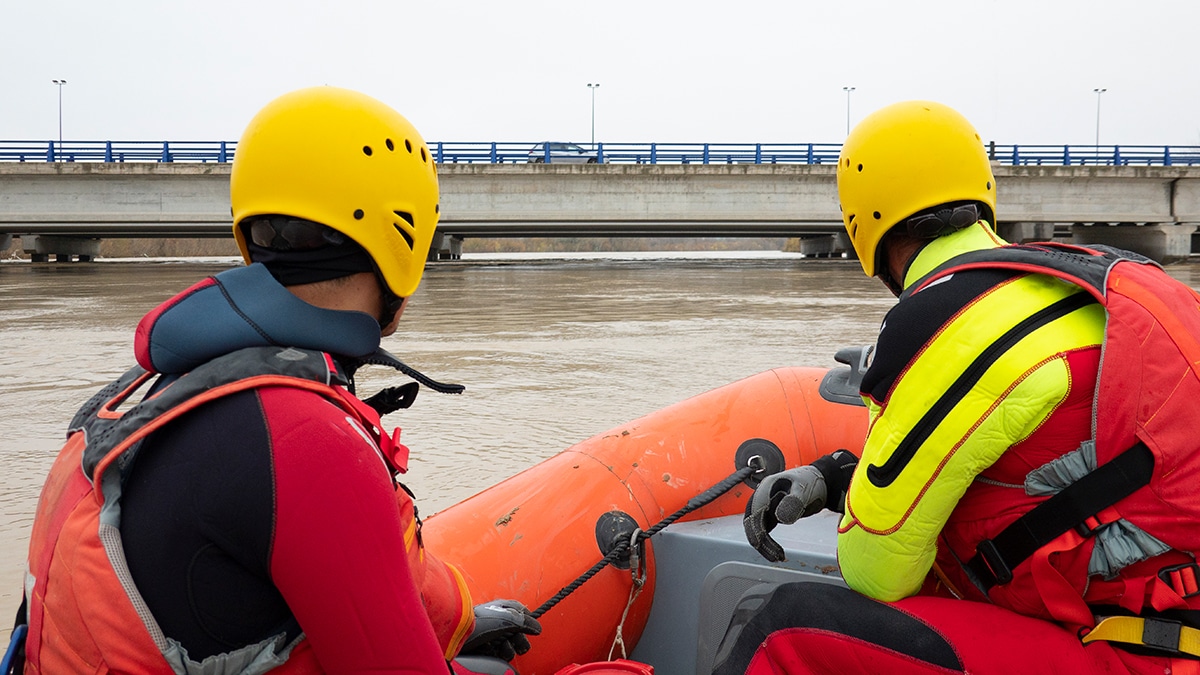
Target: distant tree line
148, 248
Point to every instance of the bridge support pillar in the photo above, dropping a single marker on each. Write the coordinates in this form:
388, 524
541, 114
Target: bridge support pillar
1020, 233
445, 247
1164, 242
845, 246
822, 246
41, 246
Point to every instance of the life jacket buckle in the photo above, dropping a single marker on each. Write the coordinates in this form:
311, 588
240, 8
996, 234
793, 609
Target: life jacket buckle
995, 561
1183, 579
1162, 634
1089, 526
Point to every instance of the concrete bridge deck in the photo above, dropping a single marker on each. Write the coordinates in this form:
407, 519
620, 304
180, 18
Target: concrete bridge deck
65, 205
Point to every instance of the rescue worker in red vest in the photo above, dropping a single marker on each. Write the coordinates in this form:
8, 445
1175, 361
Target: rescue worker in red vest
245, 515
986, 399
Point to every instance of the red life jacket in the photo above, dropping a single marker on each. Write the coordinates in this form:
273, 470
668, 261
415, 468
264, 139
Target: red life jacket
85, 614
1143, 428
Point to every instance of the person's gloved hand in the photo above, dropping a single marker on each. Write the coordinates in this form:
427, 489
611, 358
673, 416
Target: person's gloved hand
788, 496
500, 630
784, 497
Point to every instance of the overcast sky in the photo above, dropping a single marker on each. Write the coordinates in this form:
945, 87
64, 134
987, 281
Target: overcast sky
737, 71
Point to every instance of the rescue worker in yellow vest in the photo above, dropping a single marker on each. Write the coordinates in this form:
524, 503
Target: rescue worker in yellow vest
1017, 508
245, 515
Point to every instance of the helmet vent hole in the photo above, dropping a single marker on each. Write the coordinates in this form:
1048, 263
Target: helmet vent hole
407, 217
989, 185
853, 227
877, 216
389, 144
358, 214
860, 168
437, 208
407, 146
407, 237
367, 150
423, 157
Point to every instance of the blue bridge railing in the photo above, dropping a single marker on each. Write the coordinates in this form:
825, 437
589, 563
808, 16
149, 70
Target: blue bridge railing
607, 153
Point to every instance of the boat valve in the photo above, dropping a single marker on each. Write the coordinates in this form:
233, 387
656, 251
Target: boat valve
763, 455
614, 529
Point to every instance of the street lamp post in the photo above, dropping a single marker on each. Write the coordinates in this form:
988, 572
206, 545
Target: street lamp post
847, 90
593, 87
60, 84
1099, 92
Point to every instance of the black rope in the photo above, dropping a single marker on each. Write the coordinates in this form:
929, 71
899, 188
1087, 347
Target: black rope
694, 503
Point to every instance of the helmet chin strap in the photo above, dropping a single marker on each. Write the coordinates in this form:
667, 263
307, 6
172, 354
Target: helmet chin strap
391, 303
883, 266
885, 276
883, 269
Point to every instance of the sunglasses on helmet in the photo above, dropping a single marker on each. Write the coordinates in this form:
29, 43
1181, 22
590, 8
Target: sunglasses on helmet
282, 233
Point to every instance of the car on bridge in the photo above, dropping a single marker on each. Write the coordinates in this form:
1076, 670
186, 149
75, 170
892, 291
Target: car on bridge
562, 153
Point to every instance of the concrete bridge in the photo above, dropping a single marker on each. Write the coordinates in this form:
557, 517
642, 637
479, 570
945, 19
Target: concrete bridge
63, 209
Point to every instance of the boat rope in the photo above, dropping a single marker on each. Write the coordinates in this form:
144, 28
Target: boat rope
694, 503
637, 569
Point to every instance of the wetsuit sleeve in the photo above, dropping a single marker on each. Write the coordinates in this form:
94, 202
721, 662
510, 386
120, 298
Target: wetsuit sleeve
338, 554
960, 376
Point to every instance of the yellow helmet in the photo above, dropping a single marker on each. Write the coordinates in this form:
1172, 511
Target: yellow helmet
345, 160
905, 158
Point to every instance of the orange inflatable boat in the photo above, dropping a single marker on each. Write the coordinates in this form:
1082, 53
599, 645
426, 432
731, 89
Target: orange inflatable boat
531, 535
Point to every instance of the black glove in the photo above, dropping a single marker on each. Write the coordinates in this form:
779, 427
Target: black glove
790, 495
500, 630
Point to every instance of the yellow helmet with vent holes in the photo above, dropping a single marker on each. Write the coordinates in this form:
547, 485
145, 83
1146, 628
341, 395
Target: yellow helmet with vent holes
905, 158
345, 160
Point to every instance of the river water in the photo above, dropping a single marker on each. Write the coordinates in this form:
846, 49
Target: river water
552, 350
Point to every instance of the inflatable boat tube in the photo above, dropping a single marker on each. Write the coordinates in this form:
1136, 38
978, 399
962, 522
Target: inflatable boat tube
533, 534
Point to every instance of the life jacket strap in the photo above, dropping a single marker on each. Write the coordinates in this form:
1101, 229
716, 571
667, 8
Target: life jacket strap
1162, 634
1075, 506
